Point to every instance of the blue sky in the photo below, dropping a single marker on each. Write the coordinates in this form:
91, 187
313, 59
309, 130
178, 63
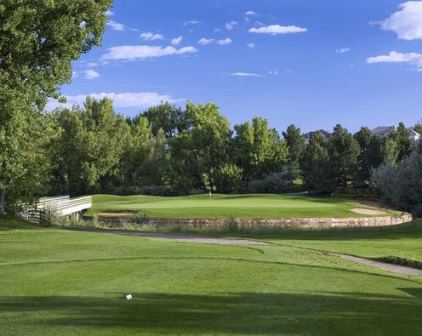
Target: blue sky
312, 63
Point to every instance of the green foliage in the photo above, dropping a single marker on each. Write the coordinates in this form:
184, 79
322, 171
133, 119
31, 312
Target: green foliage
401, 185
259, 149
166, 117
270, 184
315, 165
364, 164
343, 151
403, 141
228, 178
296, 146
38, 42
90, 147
40, 39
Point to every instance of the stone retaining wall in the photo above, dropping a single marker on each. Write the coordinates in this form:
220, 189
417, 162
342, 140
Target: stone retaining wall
271, 223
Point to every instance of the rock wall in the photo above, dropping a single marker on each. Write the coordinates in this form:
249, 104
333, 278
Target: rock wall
269, 223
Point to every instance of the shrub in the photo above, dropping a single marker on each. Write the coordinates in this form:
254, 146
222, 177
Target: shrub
228, 178
271, 184
401, 185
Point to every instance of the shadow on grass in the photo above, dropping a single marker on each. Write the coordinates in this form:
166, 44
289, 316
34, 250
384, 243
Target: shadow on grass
244, 313
11, 223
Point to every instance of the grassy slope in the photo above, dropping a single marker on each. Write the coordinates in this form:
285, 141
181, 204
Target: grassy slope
404, 241
56, 282
218, 206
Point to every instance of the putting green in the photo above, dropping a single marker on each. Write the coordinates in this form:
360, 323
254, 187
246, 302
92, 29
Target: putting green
220, 206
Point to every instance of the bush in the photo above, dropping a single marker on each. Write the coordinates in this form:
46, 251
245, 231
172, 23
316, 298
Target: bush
228, 178
401, 185
271, 184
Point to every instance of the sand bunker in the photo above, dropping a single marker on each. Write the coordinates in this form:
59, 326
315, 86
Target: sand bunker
369, 212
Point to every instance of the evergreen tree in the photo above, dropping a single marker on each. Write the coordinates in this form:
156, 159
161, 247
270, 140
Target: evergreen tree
343, 151
315, 164
296, 145
364, 165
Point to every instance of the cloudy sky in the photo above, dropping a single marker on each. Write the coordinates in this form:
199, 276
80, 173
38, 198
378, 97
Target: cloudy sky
312, 63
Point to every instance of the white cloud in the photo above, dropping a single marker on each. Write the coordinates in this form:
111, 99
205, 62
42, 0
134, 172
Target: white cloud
141, 52
224, 42
342, 50
176, 41
406, 23
206, 41
92, 64
245, 74
273, 72
231, 25
116, 26
412, 58
191, 22
148, 36
277, 29
91, 74
109, 13
251, 45
120, 100
250, 13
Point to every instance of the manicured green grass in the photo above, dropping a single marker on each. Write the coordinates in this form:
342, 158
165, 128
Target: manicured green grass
58, 282
404, 241
220, 206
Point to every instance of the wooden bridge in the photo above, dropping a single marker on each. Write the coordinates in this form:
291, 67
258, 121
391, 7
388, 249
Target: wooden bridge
60, 206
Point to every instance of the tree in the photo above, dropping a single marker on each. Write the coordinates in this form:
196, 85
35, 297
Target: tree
364, 166
210, 139
343, 151
403, 141
92, 143
38, 42
401, 185
296, 145
259, 150
390, 149
167, 117
315, 164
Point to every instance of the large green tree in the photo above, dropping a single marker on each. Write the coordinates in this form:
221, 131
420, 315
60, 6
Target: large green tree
210, 136
259, 149
344, 151
91, 145
38, 42
166, 117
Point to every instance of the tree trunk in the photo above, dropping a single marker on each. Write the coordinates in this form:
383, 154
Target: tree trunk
2, 200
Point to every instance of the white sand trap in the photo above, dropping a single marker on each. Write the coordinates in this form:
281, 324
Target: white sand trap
369, 212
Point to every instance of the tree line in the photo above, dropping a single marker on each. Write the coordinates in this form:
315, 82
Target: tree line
165, 150
168, 150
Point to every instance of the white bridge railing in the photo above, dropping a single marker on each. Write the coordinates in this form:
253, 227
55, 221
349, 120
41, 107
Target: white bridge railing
59, 206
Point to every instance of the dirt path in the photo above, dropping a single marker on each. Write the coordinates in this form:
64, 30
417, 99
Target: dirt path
382, 265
